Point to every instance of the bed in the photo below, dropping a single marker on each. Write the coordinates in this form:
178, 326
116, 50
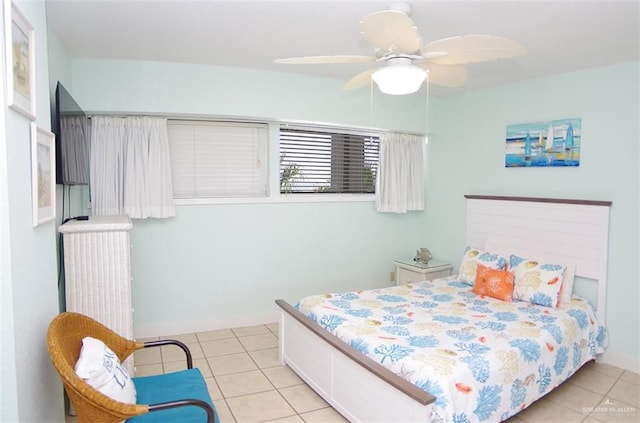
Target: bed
436, 351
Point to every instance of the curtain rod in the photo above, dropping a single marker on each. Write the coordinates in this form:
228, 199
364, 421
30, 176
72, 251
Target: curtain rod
276, 121
298, 123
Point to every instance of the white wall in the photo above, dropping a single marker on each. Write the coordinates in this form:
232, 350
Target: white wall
467, 157
31, 390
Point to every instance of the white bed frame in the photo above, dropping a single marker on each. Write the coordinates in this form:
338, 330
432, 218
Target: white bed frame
364, 391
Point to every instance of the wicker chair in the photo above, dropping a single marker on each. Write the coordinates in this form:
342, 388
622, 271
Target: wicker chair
181, 396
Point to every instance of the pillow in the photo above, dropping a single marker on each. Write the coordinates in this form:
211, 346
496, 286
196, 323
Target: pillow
470, 260
566, 290
494, 283
499, 246
99, 366
537, 283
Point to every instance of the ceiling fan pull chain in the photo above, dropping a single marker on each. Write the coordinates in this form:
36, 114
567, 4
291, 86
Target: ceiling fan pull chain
426, 129
370, 103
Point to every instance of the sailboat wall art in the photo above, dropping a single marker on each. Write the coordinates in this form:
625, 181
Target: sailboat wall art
544, 144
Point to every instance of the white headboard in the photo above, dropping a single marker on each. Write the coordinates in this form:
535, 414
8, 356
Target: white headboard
570, 231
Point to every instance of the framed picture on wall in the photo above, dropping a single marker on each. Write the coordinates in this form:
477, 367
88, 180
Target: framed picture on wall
552, 143
43, 175
20, 60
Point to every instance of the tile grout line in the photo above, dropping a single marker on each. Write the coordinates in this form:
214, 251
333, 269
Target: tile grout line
213, 376
302, 384
246, 351
224, 397
270, 382
296, 413
165, 360
604, 396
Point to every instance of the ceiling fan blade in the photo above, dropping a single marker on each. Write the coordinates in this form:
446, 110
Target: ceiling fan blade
472, 49
447, 75
307, 60
360, 80
391, 31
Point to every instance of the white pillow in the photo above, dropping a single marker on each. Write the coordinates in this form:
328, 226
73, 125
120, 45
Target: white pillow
536, 282
471, 258
99, 366
496, 245
566, 291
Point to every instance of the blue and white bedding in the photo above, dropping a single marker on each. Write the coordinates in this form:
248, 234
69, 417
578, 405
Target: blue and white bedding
484, 359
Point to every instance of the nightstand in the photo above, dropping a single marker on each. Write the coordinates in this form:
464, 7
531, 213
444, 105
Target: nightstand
408, 271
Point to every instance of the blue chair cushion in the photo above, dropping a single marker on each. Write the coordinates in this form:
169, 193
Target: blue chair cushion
186, 384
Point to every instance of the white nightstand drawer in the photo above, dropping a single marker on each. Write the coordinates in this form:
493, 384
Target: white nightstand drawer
404, 276
408, 271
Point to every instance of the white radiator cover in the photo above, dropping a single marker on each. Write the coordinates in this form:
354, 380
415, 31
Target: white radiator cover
97, 265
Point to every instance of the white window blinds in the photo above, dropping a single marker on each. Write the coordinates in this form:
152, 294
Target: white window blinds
319, 160
218, 159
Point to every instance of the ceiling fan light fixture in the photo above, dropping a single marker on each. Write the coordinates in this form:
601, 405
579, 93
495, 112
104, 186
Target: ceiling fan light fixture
399, 79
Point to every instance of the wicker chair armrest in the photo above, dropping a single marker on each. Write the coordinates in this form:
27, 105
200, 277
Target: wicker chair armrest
69, 328
186, 402
123, 347
182, 345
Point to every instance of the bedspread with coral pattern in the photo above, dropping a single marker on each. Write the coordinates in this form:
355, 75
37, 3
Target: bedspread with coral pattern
484, 359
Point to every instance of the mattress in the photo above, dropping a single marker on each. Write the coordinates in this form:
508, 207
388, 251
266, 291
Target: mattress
484, 359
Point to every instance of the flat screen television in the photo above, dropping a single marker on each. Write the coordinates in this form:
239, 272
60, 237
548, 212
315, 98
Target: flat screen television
72, 140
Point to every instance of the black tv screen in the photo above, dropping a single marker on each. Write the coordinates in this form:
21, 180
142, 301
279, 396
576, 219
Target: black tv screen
72, 146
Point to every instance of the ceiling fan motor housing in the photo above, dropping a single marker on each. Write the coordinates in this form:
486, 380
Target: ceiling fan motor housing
399, 77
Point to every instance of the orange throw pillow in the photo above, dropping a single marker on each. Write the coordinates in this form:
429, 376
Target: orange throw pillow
494, 283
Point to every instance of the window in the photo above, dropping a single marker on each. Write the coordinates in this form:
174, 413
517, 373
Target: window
315, 160
218, 159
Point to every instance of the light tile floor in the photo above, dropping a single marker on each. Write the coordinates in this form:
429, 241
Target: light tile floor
248, 384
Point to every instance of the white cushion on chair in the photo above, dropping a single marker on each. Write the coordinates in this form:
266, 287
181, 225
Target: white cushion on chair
100, 367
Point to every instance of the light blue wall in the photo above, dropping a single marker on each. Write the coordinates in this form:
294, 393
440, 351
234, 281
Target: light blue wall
466, 156
8, 373
76, 197
173, 88
71, 200
31, 390
216, 264
229, 261
188, 270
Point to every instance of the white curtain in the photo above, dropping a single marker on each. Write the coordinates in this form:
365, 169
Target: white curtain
400, 181
130, 167
73, 129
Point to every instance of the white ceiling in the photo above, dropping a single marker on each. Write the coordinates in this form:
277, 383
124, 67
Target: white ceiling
560, 36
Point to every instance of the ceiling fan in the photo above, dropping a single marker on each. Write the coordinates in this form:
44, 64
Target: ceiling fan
408, 62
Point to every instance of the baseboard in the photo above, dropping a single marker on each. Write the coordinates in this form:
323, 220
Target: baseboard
191, 326
622, 361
